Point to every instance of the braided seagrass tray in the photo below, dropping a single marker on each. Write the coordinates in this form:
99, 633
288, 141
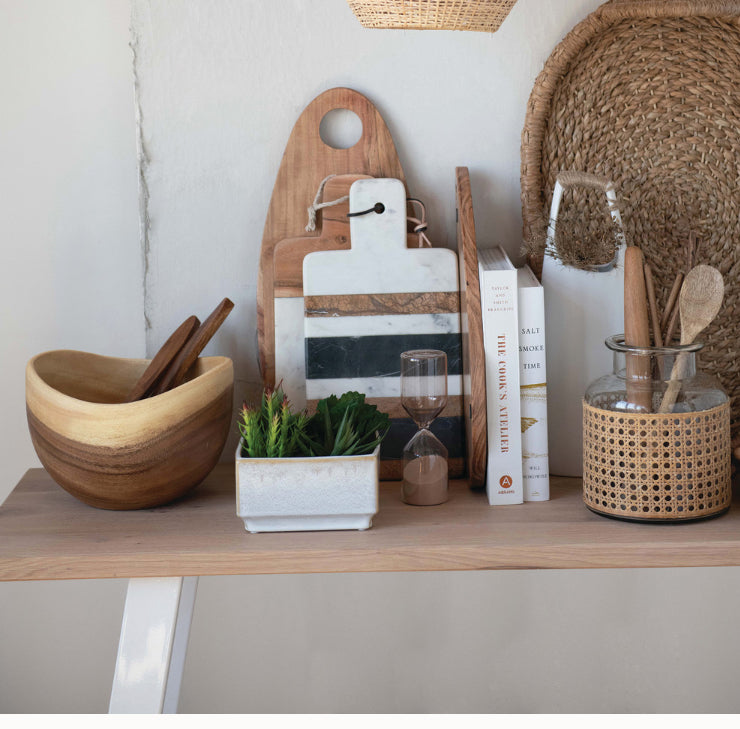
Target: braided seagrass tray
647, 94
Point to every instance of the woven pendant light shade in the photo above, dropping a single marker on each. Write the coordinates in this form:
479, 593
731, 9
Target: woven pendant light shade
480, 15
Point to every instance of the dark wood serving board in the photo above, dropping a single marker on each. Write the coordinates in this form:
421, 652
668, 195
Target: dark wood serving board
473, 354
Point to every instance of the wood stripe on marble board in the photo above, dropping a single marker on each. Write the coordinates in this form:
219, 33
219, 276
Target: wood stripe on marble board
435, 302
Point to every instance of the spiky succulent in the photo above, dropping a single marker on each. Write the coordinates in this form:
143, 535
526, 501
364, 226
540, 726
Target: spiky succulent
271, 430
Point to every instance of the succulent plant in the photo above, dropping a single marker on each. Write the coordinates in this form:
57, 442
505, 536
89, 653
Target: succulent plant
271, 430
344, 426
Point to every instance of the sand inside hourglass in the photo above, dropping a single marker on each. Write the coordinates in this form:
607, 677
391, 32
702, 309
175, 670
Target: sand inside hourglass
425, 481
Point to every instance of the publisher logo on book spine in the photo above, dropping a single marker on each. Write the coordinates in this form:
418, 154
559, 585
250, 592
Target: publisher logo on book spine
506, 482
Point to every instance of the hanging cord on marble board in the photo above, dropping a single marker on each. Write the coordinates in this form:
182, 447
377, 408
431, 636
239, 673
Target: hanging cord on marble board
420, 224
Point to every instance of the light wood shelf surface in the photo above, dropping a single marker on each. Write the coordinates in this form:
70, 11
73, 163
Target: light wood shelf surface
46, 534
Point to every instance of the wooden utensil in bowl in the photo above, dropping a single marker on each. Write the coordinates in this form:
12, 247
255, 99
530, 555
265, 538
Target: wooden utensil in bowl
175, 374
163, 359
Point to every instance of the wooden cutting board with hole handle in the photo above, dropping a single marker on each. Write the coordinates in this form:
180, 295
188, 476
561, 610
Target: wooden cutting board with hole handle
307, 160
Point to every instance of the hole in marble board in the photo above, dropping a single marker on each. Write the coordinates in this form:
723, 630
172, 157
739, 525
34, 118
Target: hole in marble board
340, 129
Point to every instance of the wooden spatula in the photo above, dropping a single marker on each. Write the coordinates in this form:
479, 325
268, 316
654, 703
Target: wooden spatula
164, 358
195, 345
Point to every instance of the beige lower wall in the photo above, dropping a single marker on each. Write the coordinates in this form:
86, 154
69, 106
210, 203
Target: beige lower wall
618, 641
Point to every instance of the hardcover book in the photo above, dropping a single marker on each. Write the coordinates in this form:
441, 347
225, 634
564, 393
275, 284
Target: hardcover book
533, 386
499, 304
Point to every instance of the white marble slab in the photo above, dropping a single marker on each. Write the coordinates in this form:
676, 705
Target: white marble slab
379, 261
290, 352
369, 326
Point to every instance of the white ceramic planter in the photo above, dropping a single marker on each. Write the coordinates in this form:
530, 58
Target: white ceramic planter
307, 494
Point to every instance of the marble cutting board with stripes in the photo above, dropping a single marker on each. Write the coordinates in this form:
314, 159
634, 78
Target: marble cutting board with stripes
367, 305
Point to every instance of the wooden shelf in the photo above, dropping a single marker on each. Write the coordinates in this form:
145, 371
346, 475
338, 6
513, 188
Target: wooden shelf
46, 534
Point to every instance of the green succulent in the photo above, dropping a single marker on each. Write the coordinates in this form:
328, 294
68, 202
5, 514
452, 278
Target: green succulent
271, 430
344, 426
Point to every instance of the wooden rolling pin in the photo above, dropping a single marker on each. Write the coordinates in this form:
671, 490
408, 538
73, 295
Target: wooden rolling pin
637, 331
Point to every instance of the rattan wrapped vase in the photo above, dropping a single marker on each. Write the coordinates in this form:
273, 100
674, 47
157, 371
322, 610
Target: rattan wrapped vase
641, 464
480, 15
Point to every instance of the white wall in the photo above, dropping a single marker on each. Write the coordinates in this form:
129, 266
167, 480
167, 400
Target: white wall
71, 278
220, 85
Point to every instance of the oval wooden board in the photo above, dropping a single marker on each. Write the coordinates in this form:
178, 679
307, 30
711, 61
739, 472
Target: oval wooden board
307, 160
473, 355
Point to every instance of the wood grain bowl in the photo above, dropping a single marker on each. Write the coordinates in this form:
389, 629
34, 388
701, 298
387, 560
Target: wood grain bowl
116, 455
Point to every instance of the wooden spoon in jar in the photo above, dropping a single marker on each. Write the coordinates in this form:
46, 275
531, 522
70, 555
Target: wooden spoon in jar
699, 302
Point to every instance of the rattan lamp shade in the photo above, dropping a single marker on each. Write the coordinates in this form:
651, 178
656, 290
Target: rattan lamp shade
647, 94
481, 15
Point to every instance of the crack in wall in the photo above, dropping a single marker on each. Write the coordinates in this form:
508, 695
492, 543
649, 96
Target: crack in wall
143, 161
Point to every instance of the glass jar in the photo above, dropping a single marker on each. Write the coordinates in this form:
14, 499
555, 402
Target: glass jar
656, 437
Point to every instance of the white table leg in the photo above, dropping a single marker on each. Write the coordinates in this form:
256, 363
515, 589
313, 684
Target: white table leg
151, 651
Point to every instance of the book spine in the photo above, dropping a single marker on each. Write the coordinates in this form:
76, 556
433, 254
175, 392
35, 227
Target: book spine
533, 385
500, 342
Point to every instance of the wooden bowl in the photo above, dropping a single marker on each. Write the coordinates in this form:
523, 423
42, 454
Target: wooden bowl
116, 455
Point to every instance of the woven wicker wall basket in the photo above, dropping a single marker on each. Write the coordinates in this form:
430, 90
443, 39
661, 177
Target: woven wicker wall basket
647, 94
481, 15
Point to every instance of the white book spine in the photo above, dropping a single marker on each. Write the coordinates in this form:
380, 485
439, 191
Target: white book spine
533, 384
500, 342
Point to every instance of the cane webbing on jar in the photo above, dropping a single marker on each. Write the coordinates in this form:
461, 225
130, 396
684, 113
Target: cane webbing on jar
657, 467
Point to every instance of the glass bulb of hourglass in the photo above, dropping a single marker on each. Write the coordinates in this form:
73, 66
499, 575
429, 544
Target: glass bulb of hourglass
424, 396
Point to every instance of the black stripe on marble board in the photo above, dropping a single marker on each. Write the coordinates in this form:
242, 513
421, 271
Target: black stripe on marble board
451, 431
376, 356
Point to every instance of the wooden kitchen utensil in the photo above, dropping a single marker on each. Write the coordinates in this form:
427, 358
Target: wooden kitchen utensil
670, 307
699, 303
367, 305
636, 330
306, 162
163, 359
582, 309
191, 351
653, 306
473, 354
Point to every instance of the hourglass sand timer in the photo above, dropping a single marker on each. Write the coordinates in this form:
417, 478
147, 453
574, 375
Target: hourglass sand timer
424, 396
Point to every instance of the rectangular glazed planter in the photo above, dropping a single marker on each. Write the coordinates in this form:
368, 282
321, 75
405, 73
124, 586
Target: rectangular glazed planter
307, 494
